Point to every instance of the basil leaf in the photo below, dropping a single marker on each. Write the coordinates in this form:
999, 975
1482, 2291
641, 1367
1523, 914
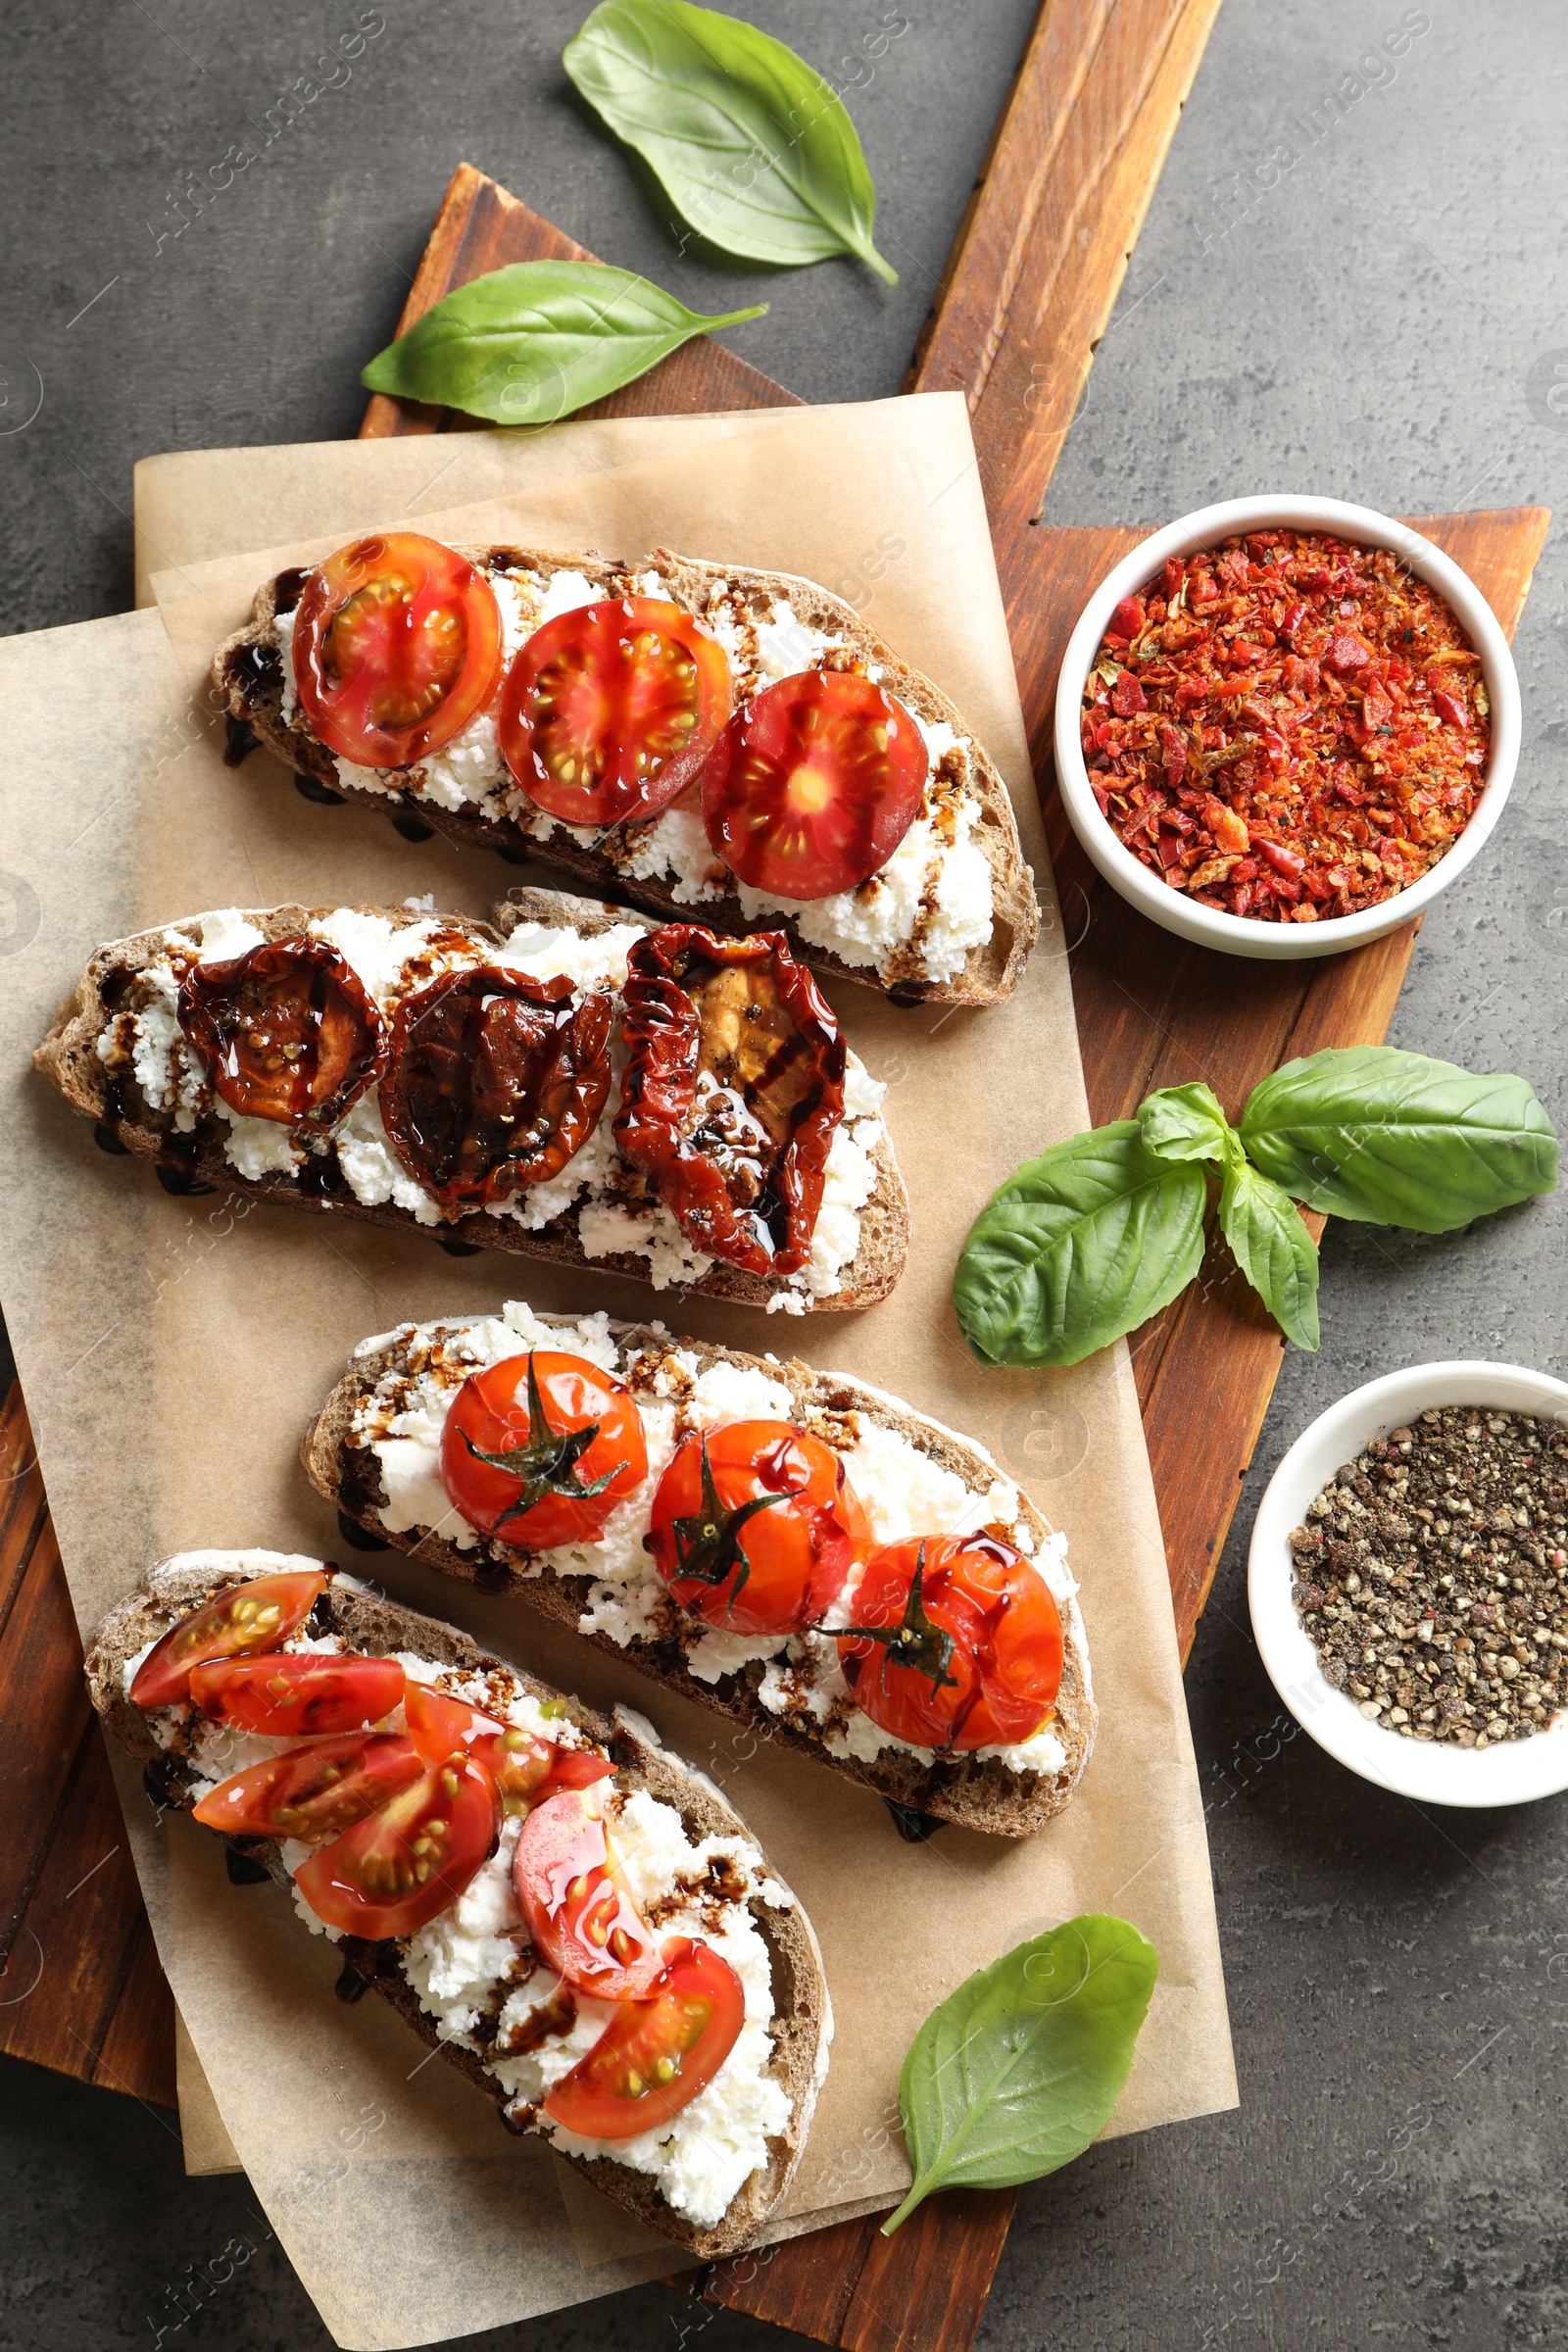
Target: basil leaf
753, 147
1083, 1244
1273, 1248
1394, 1139
536, 340
1014, 2074
1186, 1123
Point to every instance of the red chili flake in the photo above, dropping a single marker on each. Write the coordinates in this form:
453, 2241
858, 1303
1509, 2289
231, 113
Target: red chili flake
1285, 683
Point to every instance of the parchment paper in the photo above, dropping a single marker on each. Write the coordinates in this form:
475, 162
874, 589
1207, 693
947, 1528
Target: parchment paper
171, 1349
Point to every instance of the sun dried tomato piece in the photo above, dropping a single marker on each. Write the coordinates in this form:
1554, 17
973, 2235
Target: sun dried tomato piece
1345, 655
1448, 707
1127, 696
734, 1085
494, 1081
1127, 619
284, 1032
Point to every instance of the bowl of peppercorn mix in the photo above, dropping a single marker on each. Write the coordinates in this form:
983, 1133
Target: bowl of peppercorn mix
1283, 726
1408, 1582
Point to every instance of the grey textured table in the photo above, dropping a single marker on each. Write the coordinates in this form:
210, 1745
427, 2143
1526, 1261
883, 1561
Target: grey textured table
1372, 307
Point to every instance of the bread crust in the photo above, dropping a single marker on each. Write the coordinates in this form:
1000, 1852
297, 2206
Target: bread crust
366, 1621
987, 1795
69, 1056
250, 688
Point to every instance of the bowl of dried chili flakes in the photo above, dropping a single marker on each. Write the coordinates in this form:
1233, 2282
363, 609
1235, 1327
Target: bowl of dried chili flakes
1284, 724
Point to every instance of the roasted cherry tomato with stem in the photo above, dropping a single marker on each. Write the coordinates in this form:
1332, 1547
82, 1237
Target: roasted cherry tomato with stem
658, 2053
957, 1645
397, 645
526, 1769
539, 1449
610, 711
304, 1692
259, 1614
756, 1526
416, 1853
581, 1919
314, 1792
284, 1032
811, 786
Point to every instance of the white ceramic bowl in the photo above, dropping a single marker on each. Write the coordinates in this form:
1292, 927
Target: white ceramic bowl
1240, 935
1513, 1774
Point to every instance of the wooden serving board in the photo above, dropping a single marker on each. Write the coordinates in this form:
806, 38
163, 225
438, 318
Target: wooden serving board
1027, 293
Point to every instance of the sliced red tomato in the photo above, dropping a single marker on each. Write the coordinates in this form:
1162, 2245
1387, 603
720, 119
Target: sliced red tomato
526, 1770
284, 1032
811, 786
580, 1918
402, 1864
259, 1614
397, 645
756, 1526
316, 1792
658, 2053
609, 711
957, 1645
539, 1449
304, 1692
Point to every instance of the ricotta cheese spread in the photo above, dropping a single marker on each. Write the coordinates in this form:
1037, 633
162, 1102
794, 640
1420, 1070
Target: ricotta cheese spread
904, 1490
614, 1208
475, 1973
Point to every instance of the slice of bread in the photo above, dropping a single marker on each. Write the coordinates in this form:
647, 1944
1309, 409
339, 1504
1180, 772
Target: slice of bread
365, 1621
978, 1793
197, 1160
247, 671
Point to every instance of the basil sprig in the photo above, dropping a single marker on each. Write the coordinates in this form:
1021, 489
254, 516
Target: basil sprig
538, 340
1013, 2075
753, 147
1099, 1233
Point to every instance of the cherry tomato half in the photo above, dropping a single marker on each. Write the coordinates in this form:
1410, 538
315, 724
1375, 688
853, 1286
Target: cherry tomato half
654, 2058
493, 1080
283, 1032
304, 1693
314, 1792
539, 1449
811, 786
581, 1920
609, 711
402, 1864
259, 1614
759, 1536
397, 644
525, 1770
973, 1656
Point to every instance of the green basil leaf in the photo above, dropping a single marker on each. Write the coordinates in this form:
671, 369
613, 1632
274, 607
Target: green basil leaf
1186, 1123
536, 340
1394, 1139
1273, 1248
1083, 1244
752, 146
1013, 2075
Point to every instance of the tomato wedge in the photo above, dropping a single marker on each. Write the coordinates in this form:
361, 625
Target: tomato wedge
580, 1920
259, 1614
397, 645
304, 1693
402, 1864
958, 1644
316, 1792
654, 2058
284, 1032
609, 711
754, 1527
811, 786
539, 1449
525, 1770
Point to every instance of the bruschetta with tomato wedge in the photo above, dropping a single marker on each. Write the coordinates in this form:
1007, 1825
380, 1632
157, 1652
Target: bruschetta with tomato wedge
569, 1081
797, 1550
703, 739
572, 1915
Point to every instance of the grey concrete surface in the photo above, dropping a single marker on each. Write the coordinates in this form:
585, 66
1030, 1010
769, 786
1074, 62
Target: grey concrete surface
1374, 307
